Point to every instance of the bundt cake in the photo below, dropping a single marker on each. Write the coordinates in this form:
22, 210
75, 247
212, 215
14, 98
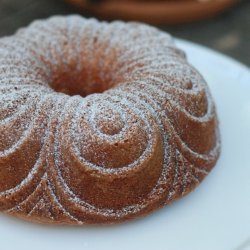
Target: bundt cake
99, 122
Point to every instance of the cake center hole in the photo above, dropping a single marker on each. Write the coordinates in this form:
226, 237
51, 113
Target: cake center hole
83, 82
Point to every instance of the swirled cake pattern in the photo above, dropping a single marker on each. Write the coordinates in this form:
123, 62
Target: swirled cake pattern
99, 122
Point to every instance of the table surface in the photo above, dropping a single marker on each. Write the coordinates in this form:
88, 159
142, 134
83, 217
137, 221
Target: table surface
228, 33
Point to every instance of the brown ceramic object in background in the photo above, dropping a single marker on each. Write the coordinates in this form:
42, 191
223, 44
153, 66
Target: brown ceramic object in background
154, 12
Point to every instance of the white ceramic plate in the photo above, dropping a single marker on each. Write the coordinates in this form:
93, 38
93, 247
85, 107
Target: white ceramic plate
216, 216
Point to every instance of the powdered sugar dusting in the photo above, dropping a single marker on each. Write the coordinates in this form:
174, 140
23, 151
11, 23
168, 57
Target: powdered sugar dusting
88, 158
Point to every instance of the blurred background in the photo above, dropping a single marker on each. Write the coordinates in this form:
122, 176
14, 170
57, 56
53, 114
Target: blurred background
223, 25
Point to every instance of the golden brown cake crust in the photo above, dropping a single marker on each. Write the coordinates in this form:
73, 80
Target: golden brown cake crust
99, 122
